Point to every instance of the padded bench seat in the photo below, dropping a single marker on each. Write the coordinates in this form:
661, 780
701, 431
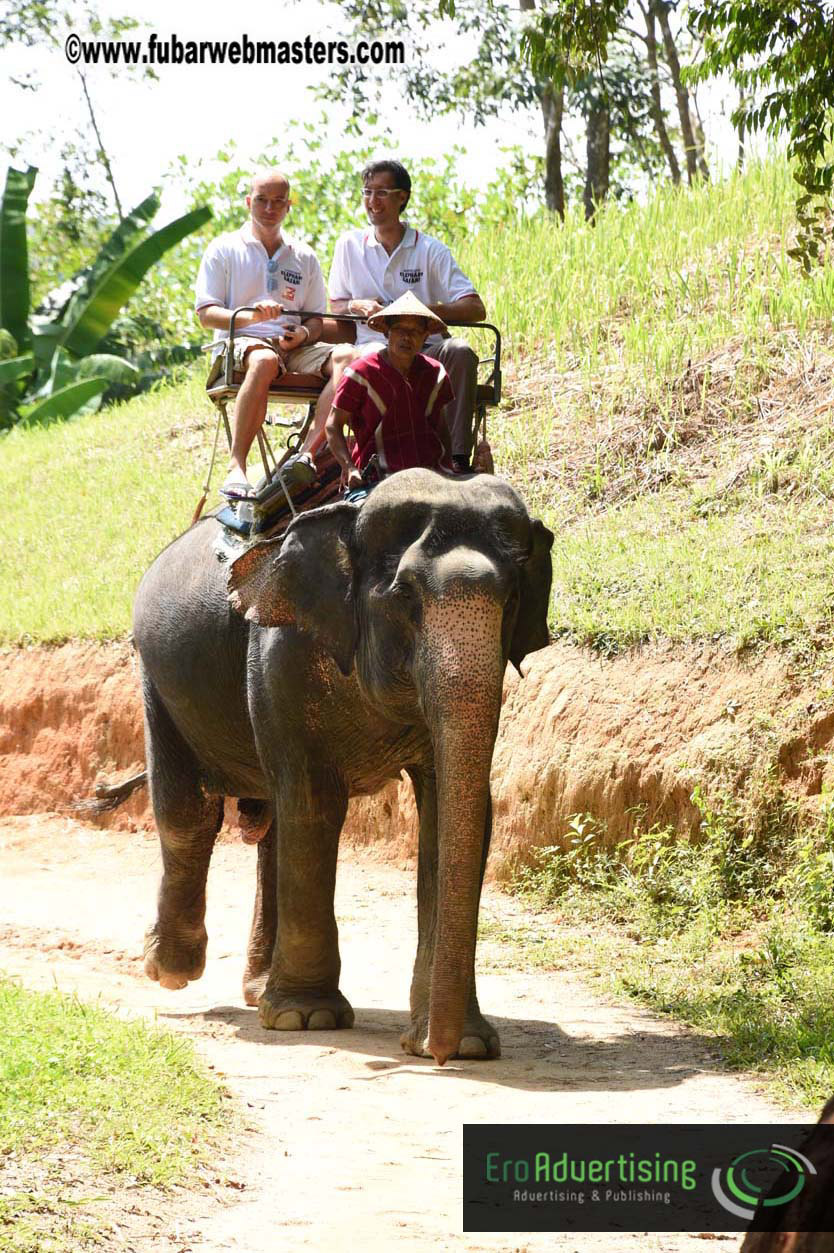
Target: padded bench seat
290, 387
294, 389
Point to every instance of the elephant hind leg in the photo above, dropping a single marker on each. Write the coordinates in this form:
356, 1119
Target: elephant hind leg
264, 921
187, 819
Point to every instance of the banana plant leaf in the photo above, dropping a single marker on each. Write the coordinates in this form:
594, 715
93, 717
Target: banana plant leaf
16, 367
65, 369
107, 366
46, 336
56, 302
65, 402
14, 257
89, 314
169, 354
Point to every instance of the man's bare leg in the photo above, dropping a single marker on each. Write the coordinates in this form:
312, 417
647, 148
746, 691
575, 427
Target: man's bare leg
341, 356
262, 366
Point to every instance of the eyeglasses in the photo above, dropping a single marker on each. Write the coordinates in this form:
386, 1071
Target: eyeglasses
271, 276
368, 193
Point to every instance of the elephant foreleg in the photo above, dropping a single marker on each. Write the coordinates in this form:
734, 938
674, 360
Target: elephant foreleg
302, 991
479, 1039
188, 821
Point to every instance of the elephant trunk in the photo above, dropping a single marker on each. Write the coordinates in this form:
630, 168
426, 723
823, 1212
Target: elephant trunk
462, 672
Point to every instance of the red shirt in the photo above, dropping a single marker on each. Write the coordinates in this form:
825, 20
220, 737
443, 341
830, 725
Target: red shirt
392, 414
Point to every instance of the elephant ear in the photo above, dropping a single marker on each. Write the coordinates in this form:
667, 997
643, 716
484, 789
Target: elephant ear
304, 580
530, 631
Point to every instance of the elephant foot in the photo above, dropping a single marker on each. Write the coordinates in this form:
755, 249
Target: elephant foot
173, 961
304, 1011
254, 985
479, 1041
254, 819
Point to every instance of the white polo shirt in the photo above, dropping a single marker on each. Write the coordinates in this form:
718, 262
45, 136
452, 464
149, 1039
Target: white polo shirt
363, 270
236, 270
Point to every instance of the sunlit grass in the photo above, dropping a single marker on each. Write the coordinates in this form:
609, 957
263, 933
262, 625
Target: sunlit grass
652, 285
732, 932
133, 1098
85, 1099
89, 504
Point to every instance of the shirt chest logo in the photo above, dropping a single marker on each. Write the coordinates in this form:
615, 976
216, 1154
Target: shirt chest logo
412, 277
291, 276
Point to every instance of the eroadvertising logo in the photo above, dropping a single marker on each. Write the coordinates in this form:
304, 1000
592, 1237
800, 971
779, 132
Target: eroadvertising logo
636, 1177
738, 1180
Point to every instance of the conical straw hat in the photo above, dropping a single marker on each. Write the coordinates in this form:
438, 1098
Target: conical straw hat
407, 306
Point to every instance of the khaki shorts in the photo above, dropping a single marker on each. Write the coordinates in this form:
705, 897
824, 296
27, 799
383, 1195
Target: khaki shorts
308, 359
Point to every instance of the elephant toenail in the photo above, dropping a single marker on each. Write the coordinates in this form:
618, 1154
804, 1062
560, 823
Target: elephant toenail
472, 1046
289, 1020
322, 1020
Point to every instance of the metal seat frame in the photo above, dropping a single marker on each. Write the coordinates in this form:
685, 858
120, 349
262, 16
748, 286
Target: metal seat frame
294, 389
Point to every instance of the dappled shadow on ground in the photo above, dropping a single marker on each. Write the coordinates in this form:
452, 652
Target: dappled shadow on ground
536, 1055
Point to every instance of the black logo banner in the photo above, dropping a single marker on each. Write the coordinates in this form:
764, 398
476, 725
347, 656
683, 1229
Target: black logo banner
643, 1177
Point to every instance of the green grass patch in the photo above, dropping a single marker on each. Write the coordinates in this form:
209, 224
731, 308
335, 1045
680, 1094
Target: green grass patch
652, 285
90, 504
732, 933
114, 1098
134, 1096
33, 1223
760, 572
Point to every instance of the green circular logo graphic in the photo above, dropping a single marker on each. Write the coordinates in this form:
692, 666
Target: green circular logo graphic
735, 1188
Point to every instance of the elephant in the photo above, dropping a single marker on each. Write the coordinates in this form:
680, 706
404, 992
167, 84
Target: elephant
368, 640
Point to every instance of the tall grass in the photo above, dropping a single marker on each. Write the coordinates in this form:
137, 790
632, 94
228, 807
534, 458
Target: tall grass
88, 505
650, 286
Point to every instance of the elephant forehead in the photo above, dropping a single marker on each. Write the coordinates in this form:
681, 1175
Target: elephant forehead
415, 501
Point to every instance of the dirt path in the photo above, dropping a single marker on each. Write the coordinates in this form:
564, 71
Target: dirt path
352, 1145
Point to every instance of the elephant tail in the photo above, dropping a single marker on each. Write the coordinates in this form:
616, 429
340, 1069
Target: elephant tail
110, 795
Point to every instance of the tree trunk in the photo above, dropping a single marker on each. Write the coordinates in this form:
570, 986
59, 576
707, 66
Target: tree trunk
552, 101
598, 160
102, 151
661, 9
700, 141
742, 100
656, 106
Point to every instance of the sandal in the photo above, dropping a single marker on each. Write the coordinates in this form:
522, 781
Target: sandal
236, 487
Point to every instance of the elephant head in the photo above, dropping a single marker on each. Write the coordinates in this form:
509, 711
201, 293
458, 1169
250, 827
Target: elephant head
425, 592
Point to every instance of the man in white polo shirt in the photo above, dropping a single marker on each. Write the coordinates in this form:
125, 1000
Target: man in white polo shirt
260, 266
373, 267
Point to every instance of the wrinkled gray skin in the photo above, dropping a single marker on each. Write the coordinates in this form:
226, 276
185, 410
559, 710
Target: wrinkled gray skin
366, 642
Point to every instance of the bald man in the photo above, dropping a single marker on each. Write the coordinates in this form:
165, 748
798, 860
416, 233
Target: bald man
259, 265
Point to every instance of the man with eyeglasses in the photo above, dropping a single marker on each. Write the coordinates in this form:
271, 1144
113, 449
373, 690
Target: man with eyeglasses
259, 265
373, 267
